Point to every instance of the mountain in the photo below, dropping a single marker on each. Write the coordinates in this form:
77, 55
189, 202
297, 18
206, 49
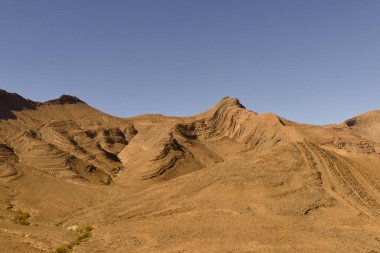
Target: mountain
64, 137
366, 125
10, 102
226, 180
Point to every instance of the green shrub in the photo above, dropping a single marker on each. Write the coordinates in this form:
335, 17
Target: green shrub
85, 233
22, 217
62, 249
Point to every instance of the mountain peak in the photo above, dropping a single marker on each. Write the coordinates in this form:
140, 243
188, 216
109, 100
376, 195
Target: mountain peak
229, 101
13, 102
13, 98
65, 99
221, 105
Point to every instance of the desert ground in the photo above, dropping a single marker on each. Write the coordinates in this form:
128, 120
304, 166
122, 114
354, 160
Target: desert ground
74, 179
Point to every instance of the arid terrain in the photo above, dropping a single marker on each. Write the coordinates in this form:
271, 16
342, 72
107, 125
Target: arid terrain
227, 180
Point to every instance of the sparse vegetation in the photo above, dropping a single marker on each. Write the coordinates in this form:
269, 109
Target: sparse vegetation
22, 218
84, 234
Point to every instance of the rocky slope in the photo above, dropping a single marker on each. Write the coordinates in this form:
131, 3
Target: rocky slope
226, 180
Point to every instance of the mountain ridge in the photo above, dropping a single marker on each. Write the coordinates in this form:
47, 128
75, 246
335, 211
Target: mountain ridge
227, 101
186, 182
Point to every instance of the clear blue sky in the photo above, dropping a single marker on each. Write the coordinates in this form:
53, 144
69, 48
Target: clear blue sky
314, 61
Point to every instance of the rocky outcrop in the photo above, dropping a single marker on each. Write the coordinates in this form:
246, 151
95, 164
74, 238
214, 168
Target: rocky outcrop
64, 99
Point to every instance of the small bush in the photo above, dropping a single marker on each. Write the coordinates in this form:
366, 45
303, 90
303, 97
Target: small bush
62, 249
22, 217
85, 233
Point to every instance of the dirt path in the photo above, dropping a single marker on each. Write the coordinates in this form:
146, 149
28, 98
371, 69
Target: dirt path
340, 178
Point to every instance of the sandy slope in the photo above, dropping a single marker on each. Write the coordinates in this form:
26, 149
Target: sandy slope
226, 180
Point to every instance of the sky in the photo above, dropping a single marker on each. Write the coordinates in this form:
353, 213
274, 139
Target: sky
314, 61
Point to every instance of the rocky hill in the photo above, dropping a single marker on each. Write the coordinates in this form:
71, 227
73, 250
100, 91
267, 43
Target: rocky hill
226, 180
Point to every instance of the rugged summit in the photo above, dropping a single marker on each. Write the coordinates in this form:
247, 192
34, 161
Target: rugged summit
65, 99
226, 180
10, 102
